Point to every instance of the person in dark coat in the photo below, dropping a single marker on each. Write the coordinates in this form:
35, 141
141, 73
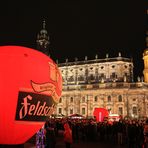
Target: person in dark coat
146, 134
50, 135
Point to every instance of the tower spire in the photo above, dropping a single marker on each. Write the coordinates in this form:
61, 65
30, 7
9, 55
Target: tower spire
44, 24
43, 39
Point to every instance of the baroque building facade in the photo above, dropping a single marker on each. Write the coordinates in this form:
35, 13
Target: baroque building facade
100, 83
104, 83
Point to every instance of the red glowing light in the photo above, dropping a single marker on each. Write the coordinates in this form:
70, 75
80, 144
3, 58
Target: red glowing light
29, 90
100, 113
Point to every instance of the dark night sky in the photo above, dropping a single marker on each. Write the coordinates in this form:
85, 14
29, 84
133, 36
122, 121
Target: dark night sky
78, 28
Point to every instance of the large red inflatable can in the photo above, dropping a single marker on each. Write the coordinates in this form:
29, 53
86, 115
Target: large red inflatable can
100, 114
30, 88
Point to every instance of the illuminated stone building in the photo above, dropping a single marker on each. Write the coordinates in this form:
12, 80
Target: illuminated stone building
104, 83
101, 83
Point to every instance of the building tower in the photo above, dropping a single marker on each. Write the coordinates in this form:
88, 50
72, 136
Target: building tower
43, 40
145, 56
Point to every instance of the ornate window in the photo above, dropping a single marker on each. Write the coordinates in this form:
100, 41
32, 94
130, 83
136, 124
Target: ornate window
71, 111
135, 110
63, 78
60, 101
109, 98
80, 78
92, 77
60, 110
119, 98
71, 78
113, 75
96, 99
83, 99
120, 111
71, 99
83, 111
125, 74
101, 76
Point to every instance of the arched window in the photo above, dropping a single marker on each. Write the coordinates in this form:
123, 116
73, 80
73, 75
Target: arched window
109, 98
119, 98
120, 110
83, 99
92, 77
83, 111
71, 111
81, 78
135, 110
60, 110
60, 101
96, 99
71, 79
71, 99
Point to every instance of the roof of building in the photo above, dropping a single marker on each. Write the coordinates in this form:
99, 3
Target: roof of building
95, 61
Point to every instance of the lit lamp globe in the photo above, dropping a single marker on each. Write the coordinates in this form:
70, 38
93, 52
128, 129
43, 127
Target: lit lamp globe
30, 88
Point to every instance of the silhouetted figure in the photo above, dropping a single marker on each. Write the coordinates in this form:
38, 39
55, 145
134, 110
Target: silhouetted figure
67, 135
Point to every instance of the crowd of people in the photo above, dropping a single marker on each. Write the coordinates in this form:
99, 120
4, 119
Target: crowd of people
132, 133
